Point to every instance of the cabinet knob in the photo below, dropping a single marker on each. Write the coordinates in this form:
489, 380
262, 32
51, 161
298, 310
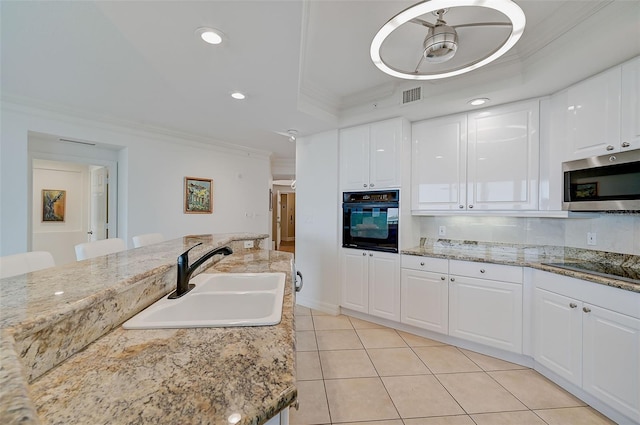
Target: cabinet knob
610, 148
364, 254
470, 206
625, 144
586, 309
612, 158
453, 279
371, 185
371, 254
364, 185
422, 263
461, 206
573, 305
442, 278
482, 270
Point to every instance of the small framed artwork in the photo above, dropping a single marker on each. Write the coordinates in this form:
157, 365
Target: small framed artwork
198, 195
586, 190
53, 205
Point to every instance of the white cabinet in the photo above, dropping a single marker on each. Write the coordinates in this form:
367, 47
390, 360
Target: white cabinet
371, 282
485, 304
425, 293
630, 105
486, 160
578, 336
371, 155
603, 113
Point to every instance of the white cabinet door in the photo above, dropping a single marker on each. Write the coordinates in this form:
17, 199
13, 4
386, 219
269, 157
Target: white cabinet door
425, 300
354, 158
439, 164
354, 269
385, 148
611, 359
503, 158
630, 105
384, 285
593, 116
557, 334
486, 311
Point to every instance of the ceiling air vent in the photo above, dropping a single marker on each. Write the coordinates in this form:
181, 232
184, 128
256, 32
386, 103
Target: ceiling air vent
411, 95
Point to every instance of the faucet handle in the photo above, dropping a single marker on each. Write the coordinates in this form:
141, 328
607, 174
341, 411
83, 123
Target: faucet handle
184, 257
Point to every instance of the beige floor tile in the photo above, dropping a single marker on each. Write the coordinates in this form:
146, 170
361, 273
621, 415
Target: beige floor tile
524, 417
397, 361
306, 341
573, 416
419, 341
319, 313
308, 366
477, 392
299, 310
313, 409
359, 399
345, 339
363, 324
441, 420
304, 323
346, 364
445, 359
534, 390
387, 422
325, 323
420, 396
488, 363
380, 338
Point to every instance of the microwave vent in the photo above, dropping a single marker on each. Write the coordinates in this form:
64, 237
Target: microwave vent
412, 95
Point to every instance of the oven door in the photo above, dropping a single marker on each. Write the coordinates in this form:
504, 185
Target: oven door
371, 226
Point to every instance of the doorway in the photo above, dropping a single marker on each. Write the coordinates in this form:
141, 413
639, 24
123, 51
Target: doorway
284, 216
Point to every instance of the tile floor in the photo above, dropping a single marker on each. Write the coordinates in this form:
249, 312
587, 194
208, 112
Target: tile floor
350, 370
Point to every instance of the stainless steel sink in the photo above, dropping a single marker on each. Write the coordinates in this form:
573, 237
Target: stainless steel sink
218, 300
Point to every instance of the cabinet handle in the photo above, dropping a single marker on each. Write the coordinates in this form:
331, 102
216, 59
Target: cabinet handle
453, 279
626, 144
461, 206
364, 254
573, 305
371, 254
610, 147
442, 278
612, 158
586, 309
422, 263
482, 270
364, 185
371, 185
470, 206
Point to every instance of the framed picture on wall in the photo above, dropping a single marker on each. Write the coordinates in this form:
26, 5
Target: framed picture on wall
198, 195
53, 205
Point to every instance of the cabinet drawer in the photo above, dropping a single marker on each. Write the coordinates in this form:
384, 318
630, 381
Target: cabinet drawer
415, 262
486, 271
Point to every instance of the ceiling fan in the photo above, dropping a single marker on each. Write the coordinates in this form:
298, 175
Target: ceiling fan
441, 41
291, 134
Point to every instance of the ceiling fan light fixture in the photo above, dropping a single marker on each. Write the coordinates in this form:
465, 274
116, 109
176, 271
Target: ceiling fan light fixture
440, 44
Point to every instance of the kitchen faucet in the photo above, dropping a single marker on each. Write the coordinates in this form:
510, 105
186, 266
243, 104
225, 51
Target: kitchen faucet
185, 271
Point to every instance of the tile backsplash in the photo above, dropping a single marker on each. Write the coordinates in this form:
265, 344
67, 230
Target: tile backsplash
614, 232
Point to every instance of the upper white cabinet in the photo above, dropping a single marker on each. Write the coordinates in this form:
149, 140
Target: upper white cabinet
487, 160
371, 155
602, 113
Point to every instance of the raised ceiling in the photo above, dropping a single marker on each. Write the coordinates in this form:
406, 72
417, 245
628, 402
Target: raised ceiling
304, 65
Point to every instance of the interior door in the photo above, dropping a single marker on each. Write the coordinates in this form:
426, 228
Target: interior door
99, 215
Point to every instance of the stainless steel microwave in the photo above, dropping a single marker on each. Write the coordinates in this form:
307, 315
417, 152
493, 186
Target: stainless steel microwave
603, 183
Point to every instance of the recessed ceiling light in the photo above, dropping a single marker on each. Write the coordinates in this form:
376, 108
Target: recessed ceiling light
238, 95
210, 35
479, 101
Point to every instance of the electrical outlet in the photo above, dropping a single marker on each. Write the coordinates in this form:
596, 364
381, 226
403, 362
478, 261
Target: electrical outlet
248, 244
442, 230
591, 238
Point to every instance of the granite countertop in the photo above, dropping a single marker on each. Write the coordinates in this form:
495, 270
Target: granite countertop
66, 359
535, 256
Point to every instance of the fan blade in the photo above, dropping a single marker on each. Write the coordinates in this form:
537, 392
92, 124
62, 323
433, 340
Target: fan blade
422, 22
484, 24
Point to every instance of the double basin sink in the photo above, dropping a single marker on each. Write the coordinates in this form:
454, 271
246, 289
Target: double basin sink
218, 300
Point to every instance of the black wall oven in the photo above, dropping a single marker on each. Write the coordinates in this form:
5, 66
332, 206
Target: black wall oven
370, 220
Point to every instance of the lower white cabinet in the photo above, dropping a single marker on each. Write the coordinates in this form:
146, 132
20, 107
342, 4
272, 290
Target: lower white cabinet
371, 282
486, 311
589, 345
425, 293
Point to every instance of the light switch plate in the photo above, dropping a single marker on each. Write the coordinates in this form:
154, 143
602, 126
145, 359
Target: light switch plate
442, 230
591, 238
248, 244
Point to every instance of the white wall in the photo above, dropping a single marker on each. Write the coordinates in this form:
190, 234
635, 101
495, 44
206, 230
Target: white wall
317, 226
151, 169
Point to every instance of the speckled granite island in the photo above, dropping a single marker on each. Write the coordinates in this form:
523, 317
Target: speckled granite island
66, 359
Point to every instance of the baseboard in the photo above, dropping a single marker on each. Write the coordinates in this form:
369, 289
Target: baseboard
316, 305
